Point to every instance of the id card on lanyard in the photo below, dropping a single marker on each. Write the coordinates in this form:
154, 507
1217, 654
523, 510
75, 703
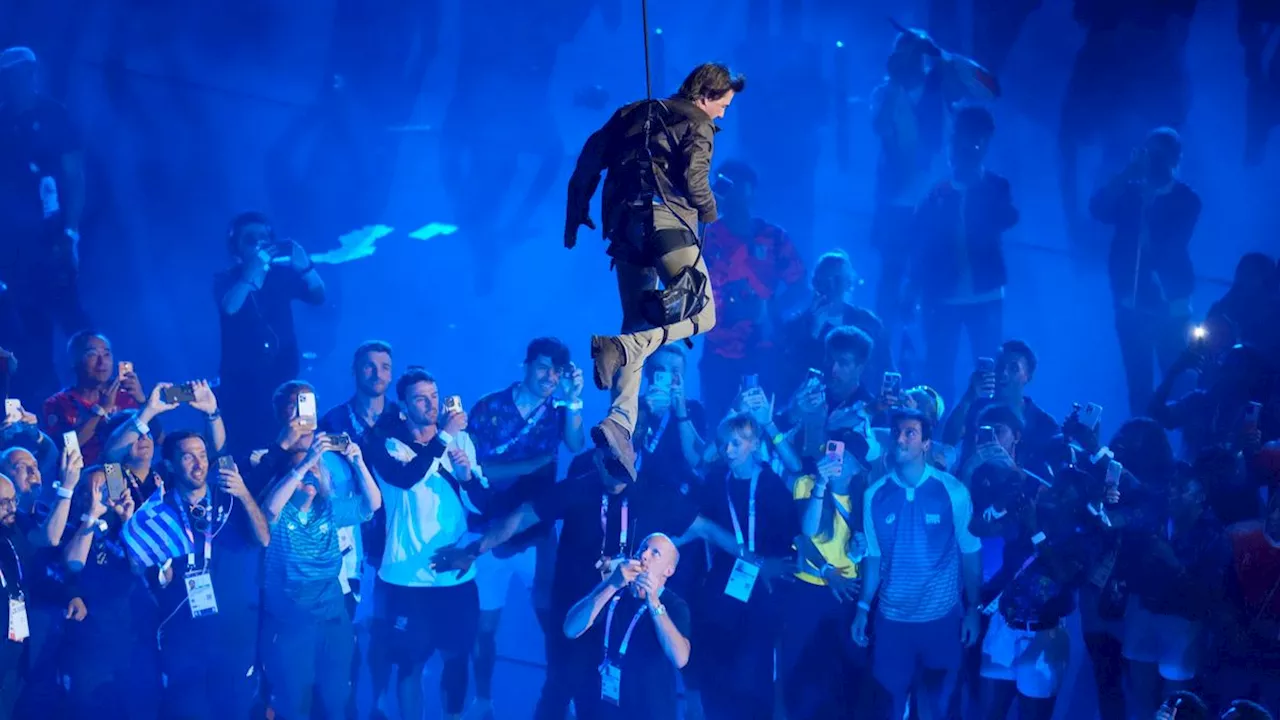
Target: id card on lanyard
743, 578
605, 564
611, 672
19, 627
199, 581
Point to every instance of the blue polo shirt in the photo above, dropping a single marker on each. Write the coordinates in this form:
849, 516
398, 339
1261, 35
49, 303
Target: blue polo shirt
919, 534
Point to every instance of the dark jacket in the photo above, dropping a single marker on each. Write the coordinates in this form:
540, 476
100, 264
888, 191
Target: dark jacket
987, 213
674, 168
1152, 273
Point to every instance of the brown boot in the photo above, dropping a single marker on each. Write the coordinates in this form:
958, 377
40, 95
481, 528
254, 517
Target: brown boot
607, 358
615, 440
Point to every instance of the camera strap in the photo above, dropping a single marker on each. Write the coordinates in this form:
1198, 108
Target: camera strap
529, 423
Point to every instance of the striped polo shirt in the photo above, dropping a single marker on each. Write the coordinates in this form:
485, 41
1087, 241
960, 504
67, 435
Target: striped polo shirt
919, 534
304, 557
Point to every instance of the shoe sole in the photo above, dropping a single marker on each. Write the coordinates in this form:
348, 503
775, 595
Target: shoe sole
603, 441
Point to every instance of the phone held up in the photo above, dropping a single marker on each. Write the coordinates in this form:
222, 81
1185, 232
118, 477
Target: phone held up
835, 453
891, 385
453, 404
115, 487
662, 379
340, 442
177, 394
307, 410
987, 368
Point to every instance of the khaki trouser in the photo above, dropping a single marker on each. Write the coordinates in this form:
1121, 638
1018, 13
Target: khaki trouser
638, 341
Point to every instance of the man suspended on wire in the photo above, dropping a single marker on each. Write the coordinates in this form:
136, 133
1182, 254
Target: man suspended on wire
657, 191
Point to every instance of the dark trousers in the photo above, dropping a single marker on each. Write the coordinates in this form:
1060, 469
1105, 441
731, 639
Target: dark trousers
1147, 339
891, 230
1108, 673
984, 322
129, 674
823, 674
306, 658
560, 684
209, 667
41, 298
736, 668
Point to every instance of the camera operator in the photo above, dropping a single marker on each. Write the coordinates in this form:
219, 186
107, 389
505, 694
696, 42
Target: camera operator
259, 343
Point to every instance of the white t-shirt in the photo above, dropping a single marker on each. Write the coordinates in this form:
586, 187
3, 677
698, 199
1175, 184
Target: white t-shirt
423, 519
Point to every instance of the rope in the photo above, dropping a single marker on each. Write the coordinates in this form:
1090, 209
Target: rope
644, 26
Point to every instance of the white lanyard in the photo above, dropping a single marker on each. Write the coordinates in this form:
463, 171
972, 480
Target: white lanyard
17, 562
751, 513
604, 526
626, 638
208, 536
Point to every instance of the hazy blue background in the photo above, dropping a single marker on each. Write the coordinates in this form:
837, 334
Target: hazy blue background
192, 112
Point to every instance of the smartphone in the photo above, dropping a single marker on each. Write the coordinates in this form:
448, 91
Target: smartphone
1091, 415
987, 366
71, 440
340, 442
226, 462
452, 404
125, 368
1199, 334
891, 385
815, 375
835, 452
12, 406
307, 409
987, 435
116, 487
175, 394
1253, 414
1114, 469
662, 379
750, 382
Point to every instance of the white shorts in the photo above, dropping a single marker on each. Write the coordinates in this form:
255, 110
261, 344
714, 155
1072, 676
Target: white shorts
493, 576
1035, 661
1169, 641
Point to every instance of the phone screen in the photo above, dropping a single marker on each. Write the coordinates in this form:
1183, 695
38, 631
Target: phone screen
115, 480
307, 409
178, 394
750, 381
891, 386
1113, 473
986, 435
662, 379
1253, 414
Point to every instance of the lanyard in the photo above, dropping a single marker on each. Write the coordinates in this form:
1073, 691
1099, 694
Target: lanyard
208, 536
626, 638
532, 420
17, 562
751, 513
655, 437
604, 526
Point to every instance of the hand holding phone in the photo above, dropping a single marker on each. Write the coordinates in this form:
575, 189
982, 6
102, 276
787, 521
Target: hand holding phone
891, 386
835, 455
452, 404
71, 440
178, 394
662, 379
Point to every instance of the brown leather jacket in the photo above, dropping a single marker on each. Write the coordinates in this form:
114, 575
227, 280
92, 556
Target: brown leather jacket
672, 167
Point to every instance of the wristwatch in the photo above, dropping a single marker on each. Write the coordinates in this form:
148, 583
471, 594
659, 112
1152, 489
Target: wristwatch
660, 610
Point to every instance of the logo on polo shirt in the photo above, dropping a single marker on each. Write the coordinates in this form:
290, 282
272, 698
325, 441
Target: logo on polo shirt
890, 518
932, 519
402, 623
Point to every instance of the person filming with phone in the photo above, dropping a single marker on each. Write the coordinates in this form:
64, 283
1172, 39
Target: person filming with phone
198, 545
1154, 214
123, 617
310, 640
259, 343
644, 635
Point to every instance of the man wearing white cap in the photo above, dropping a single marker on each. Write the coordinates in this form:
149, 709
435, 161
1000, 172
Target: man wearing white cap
42, 192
